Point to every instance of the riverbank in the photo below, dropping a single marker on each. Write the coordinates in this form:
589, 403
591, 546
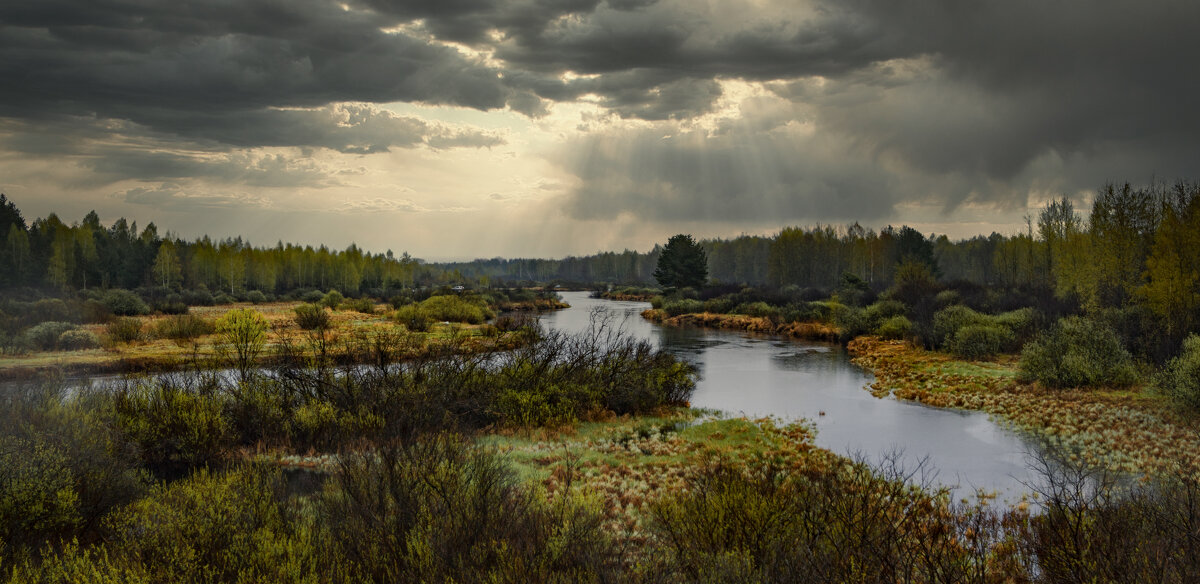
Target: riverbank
1129, 430
810, 331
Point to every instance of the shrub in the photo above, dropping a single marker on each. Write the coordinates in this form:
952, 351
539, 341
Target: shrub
851, 321
413, 318
256, 297
222, 298
363, 305
441, 510
312, 296
197, 297
948, 321
895, 328
95, 312
845, 524
807, 312
885, 309
682, 306
333, 299
183, 328
173, 427
1180, 378
124, 330
1077, 352
1022, 322
124, 303
45, 336
947, 298
38, 503
456, 309
78, 340
311, 317
244, 333
978, 341
228, 527
759, 309
718, 305
48, 309
171, 308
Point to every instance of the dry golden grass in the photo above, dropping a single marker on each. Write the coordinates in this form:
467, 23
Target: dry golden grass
813, 331
157, 354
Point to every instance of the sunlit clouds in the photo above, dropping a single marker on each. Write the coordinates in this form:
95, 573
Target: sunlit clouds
552, 127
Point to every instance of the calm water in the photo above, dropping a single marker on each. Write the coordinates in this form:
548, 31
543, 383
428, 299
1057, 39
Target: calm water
755, 376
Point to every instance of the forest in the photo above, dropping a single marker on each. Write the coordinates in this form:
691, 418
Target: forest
1137, 250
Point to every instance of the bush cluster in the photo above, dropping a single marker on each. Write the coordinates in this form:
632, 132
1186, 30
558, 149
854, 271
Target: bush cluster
1077, 352
1180, 378
183, 328
78, 340
312, 317
975, 335
45, 336
124, 330
124, 303
418, 317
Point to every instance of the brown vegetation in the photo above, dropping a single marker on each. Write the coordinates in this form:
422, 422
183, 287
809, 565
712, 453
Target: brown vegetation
812, 331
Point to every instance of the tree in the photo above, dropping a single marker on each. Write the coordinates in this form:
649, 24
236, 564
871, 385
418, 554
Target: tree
244, 332
682, 264
167, 271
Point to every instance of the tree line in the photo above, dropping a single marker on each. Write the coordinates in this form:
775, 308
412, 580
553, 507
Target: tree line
1136, 247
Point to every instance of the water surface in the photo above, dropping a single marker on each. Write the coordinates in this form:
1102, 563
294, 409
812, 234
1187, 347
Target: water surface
755, 375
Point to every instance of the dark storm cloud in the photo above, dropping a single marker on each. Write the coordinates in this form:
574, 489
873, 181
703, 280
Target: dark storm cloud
972, 98
203, 68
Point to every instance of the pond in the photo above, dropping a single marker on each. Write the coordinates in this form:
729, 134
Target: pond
755, 376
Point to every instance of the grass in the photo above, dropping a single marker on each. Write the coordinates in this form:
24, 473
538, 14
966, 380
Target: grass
1130, 430
157, 354
630, 462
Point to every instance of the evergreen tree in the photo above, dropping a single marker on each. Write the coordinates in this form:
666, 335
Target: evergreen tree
682, 264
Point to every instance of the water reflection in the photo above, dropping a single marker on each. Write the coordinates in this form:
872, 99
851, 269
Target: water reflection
763, 376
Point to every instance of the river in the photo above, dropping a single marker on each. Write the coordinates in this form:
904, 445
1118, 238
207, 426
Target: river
755, 375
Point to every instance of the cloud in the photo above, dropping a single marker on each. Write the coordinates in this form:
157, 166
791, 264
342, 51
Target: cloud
736, 176
271, 171
171, 197
381, 205
873, 103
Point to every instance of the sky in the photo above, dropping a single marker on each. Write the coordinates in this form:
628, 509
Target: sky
456, 129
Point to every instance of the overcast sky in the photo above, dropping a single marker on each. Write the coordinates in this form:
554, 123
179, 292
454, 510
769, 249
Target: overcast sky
481, 128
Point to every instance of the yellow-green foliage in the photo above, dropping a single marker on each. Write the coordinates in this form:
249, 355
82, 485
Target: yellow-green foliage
244, 331
1180, 379
311, 317
449, 308
78, 565
124, 330
456, 309
441, 510
183, 327
1078, 352
230, 527
173, 426
38, 502
77, 340
896, 327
